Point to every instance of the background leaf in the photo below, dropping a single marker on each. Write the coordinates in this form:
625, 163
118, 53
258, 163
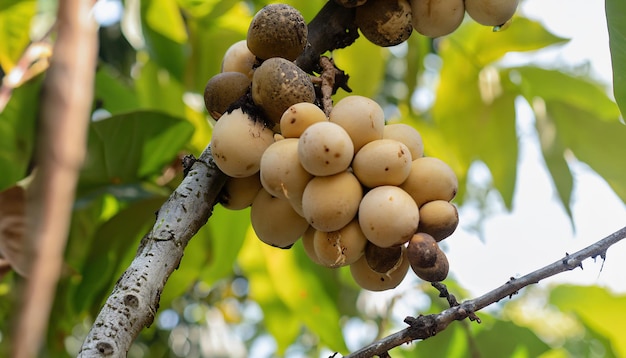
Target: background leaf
129, 147
616, 19
15, 21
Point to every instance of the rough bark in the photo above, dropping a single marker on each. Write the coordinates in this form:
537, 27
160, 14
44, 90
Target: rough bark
135, 299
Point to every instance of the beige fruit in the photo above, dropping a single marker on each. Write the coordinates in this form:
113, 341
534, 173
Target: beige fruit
361, 117
385, 23
238, 58
406, 134
491, 12
331, 202
340, 248
277, 30
281, 173
275, 222
372, 280
439, 218
382, 162
299, 117
238, 142
435, 18
222, 90
307, 244
388, 216
430, 179
278, 84
239, 193
325, 148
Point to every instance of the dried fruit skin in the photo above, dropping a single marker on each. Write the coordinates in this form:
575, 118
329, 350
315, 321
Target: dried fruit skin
385, 23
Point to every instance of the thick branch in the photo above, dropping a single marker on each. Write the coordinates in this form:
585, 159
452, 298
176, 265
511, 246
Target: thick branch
135, 299
423, 327
64, 115
332, 28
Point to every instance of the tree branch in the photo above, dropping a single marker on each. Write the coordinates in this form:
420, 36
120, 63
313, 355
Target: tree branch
64, 115
135, 299
423, 327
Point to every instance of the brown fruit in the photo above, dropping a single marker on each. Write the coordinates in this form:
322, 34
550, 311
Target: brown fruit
278, 84
436, 273
222, 90
277, 30
422, 251
382, 259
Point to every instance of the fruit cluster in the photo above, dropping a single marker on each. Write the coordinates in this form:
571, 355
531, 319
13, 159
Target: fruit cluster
391, 22
358, 192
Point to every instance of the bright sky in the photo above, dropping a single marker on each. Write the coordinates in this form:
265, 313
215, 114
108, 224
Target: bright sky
538, 231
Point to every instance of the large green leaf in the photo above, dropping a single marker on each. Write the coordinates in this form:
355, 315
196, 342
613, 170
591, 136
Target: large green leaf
506, 339
616, 19
109, 251
554, 85
541, 88
600, 310
165, 35
130, 147
479, 46
17, 133
295, 282
15, 20
112, 94
598, 143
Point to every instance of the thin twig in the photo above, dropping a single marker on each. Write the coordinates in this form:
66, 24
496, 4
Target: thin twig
64, 116
423, 327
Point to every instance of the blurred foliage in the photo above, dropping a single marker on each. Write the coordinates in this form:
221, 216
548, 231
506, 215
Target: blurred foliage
233, 296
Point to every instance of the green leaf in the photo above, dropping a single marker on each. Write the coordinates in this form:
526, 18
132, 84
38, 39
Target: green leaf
157, 90
600, 310
299, 288
129, 147
553, 85
112, 94
15, 20
590, 139
112, 243
479, 46
17, 132
616, 20
226, 235
165, 35
506, 339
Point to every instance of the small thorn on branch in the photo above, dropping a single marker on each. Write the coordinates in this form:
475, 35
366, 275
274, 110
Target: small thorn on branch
452, 301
